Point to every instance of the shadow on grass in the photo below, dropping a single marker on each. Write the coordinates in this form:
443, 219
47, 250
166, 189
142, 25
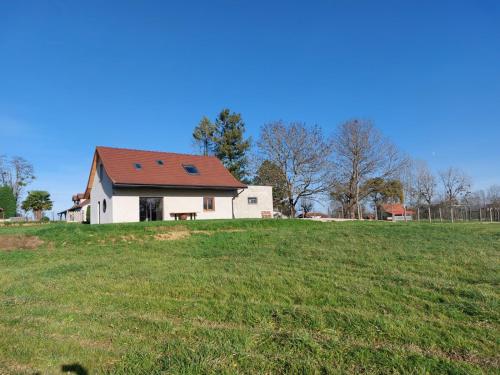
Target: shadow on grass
74, 368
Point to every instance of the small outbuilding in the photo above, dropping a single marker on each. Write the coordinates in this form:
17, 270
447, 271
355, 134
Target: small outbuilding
396, 212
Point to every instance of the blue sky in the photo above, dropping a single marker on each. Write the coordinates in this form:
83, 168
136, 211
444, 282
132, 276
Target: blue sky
141, 74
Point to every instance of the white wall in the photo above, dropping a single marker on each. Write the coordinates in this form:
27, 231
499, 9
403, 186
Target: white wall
126, 203
264, 195
73, 216
125, 209
102, 189
192, 201
123, 206
84, 212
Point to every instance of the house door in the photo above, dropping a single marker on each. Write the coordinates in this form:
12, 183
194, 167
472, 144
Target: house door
150, 209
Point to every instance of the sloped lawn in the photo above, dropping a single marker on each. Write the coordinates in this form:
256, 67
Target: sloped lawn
251, 296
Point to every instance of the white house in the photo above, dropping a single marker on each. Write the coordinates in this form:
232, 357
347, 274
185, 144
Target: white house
78, 212
132, 185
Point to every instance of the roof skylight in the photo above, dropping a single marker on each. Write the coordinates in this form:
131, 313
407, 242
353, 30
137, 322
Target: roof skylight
191, 169
138, 165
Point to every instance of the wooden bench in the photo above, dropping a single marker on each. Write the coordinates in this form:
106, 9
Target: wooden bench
183, 215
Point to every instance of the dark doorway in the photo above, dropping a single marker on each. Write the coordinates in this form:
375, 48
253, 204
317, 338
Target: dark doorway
150, 209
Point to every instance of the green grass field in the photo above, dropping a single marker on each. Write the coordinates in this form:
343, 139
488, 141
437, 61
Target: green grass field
251, 296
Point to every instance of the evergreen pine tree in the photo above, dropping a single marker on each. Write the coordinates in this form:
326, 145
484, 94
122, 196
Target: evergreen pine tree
7, 201
229, 143
203, 135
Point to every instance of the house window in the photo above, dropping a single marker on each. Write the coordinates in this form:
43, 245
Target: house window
100, 170
159, 162
191, 169
138, 166
208, 203
252, 200
104, 206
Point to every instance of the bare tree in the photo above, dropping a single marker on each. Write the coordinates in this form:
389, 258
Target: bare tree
425, 184
478, 199
306, 205
408, 178
16, 173
361, 152
494, 195
455, 183
4, 171
302, 154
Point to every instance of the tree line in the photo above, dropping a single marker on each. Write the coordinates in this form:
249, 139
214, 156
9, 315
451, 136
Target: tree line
356, 168
447, 189
16, 173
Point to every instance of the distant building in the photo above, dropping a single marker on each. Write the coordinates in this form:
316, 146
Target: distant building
396, 212
78, 212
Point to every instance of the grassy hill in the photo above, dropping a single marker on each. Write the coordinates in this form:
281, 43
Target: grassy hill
251, 297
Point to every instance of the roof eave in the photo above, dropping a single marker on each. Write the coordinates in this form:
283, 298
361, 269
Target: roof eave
225, 187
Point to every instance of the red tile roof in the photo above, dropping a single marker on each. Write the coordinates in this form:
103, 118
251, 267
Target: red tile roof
78, 206
119, 164
396, 209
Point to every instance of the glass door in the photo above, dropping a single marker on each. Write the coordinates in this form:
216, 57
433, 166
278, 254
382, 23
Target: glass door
150, 209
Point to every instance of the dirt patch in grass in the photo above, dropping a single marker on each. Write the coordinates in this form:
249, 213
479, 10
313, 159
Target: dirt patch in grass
161, 233
16, 242
181, 232
183, 228
175, 228
171, 236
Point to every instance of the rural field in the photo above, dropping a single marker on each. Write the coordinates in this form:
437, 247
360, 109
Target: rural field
250, 296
